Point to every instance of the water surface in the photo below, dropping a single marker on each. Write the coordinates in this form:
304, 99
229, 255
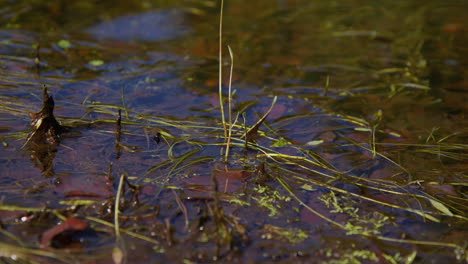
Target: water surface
362, 158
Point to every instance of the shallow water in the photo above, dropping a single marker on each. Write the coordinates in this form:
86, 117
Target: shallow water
362, 157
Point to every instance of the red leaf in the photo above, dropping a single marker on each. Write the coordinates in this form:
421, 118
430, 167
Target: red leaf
72, 223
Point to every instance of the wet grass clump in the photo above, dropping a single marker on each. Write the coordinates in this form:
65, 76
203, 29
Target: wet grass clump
338, 138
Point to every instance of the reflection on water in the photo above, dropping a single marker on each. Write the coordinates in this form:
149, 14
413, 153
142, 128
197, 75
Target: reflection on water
369, 121
160, 25
45, 135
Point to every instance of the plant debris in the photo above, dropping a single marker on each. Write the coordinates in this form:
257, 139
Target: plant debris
45, 134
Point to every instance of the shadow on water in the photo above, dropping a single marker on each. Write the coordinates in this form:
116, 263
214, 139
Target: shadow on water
348, 146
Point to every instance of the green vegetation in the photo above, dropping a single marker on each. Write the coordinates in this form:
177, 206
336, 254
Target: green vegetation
338, 137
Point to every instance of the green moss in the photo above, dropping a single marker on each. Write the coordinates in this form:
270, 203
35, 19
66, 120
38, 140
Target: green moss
279, 233
358, 223
270, 199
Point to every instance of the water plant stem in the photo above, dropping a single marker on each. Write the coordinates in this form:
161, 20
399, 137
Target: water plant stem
118, 251
220, 57
116, 207
228, 142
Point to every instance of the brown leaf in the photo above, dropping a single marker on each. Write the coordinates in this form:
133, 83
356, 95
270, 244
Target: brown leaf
440, 189
72, 223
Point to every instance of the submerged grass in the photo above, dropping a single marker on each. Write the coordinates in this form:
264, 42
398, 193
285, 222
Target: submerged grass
286, 174
291, 166
302, 161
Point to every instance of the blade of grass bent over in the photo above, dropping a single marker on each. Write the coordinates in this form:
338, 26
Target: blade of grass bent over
229, 105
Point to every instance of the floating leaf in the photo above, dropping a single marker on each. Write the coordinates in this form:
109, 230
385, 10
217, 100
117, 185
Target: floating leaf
314, 142
395, 134
281, 143
364, 129
96, 62
64, 44
78, 202
439, 206
308, 187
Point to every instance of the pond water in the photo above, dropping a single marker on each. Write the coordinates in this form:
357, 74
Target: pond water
349, 142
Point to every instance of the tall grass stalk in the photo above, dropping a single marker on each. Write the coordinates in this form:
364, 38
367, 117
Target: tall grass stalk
228, 143
116, 206
220, 80
117, 252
